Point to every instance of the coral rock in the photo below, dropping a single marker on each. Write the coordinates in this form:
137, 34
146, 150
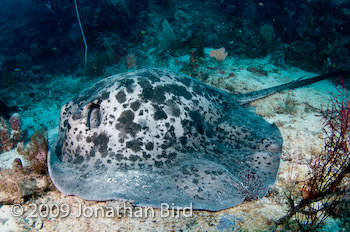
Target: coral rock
15, 122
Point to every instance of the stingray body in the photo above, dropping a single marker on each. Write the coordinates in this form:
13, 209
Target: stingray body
154, 136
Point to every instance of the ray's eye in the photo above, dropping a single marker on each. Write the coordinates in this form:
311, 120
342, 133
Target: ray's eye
94, 116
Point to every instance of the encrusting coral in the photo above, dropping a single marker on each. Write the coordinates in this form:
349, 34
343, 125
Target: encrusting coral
10, 133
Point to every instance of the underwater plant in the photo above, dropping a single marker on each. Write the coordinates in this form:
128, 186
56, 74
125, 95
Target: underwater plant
327, 184
37, 151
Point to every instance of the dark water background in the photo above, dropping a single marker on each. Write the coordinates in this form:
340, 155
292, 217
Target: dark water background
311, 34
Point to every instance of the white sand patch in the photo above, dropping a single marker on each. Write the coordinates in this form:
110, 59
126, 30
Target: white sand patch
6, 159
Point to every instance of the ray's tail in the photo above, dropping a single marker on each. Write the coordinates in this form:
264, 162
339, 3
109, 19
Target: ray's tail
246, 98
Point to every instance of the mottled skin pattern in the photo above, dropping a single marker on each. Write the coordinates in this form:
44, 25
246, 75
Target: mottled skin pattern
157, 136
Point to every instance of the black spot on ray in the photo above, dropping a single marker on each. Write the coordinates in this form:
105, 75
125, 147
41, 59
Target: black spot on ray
126, 124
158, 164
134, 158
128, 84
135, 105
78, 159
105, 95
101, 141
134, 145
126, 117
159, 114
149, 146
120, 96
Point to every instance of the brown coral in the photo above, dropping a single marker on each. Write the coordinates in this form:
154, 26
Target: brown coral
37, 151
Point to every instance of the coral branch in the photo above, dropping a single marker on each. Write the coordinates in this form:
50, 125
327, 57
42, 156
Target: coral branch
329, 170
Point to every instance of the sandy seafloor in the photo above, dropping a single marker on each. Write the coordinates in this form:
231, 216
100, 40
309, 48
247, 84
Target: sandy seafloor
298, 122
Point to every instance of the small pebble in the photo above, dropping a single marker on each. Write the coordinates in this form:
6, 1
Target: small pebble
38, 224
